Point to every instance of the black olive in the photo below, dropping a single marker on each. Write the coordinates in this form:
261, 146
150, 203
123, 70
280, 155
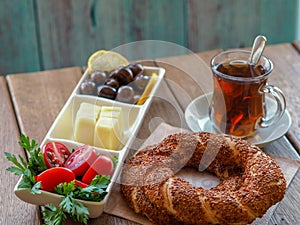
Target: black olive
136, 69
112, 82
107, 73
98, 77
107, 91
140, 82
125, 94
88, 87
123, 76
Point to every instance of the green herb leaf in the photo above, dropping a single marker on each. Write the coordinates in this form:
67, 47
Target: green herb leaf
36, 159
100, 181
75, 208
34, 166
14, 160
65, 188
28, 180
96, 191
36, 189
15, 170
53, 215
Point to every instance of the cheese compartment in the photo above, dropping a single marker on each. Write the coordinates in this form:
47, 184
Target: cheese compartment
97, 122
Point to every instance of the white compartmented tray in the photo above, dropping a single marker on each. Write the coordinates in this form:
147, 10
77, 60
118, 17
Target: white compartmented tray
62, 130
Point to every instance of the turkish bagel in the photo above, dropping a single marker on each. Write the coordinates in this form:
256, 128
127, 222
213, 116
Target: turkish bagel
250, 180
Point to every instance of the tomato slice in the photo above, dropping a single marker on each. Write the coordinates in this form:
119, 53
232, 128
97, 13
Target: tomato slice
80, 184
55, 154
102, 166
81, 159
50, 178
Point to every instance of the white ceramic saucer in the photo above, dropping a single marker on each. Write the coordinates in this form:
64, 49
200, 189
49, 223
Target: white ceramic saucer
196, 116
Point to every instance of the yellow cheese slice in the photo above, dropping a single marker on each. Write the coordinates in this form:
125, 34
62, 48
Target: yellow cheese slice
113, 112
107, 133
85, 121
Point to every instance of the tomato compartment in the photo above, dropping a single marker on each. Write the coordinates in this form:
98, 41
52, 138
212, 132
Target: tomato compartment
83, 160
79, 158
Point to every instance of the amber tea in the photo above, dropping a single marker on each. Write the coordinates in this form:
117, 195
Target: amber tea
243, 103
238, 105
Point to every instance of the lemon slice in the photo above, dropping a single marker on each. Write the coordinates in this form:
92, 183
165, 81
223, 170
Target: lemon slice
148, 89
106, 61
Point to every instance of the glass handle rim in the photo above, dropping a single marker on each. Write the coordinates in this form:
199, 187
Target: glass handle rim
280, 102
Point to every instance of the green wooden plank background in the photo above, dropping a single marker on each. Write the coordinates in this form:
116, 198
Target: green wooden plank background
42, 34
18, 37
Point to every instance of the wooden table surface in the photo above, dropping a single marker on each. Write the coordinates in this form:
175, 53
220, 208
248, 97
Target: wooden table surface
31, 102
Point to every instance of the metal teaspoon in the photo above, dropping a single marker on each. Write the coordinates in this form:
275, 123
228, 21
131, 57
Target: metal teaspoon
257, 49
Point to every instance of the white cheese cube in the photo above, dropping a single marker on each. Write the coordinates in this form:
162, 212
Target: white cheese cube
113, 112
107, 133
85, 121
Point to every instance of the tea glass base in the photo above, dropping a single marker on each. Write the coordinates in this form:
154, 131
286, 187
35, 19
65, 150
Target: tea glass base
216, 130
197, 119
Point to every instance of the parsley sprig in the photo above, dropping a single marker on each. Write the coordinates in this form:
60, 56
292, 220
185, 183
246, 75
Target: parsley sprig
94, 192
34, 166
52, 215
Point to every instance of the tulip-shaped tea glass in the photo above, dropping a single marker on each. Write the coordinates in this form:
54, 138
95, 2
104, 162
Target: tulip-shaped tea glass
238, 104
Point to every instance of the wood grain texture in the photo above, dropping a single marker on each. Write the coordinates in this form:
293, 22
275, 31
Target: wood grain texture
18, 40
189, 73
222, 28
78, 28
38, 35
287, 212
235, 23
38, 98
277, 30
164, 99
286, 76
275, 148
12, 209
296, 45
